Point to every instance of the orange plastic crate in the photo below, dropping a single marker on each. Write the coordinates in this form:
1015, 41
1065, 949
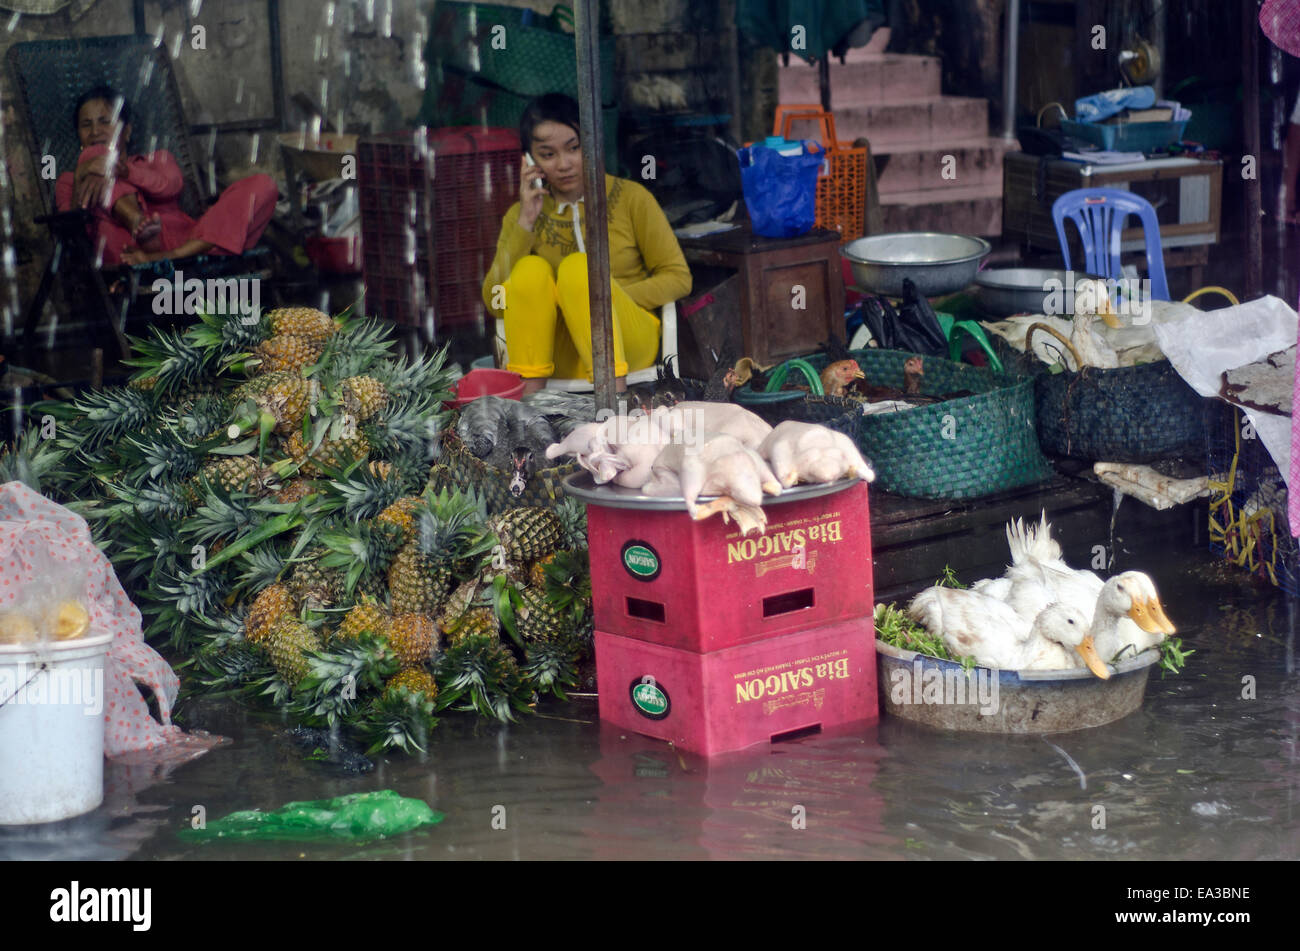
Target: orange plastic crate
842, 191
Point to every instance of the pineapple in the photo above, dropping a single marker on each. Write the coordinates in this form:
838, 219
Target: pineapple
234, 474
416, 583
537, 570
363, 396
537, 618
399, 514
286, 644
314, 584
414, 638
269, 607
294, 490
144, 384
284, 394
287, 352
477, 622
414, 680
460, 601
446, 531
306, 322
364, 616
528, 533
331, 454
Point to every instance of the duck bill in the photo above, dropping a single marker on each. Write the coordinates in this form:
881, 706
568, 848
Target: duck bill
1150, 616
1109, 317
1088, 652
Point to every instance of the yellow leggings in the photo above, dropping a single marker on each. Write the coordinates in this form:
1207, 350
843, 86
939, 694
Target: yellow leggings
540, 345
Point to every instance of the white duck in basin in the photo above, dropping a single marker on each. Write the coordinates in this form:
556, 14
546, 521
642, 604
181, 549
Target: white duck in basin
976, 625
1129, 597
1092, 300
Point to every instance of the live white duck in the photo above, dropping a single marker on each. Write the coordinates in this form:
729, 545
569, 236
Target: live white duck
974, 624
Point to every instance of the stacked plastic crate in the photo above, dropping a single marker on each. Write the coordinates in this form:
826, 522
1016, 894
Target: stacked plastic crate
431, 208
715, 641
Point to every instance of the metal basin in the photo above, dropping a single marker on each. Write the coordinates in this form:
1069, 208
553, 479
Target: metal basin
1029, 701
936, 263
1005, 291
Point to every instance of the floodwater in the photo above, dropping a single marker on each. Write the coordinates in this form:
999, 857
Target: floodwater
1198, 771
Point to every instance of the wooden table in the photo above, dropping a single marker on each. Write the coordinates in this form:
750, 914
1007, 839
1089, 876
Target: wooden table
791, 289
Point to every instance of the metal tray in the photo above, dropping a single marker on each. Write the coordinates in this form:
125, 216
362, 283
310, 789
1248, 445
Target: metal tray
582, 486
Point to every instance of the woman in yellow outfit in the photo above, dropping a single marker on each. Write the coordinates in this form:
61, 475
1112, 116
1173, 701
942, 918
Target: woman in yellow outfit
538, 279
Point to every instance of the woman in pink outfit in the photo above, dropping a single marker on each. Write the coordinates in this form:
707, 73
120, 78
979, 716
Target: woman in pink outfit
135, 198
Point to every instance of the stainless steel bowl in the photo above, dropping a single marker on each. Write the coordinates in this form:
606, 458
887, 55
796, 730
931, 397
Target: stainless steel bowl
936, 263
1016, 290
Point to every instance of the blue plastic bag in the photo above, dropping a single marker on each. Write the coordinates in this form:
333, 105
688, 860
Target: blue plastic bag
781, 190
1112, 102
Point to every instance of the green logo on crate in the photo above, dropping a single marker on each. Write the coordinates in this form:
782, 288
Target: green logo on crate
641, 561
650, 700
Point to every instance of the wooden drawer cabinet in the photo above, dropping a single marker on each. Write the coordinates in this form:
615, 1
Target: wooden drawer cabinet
776, 276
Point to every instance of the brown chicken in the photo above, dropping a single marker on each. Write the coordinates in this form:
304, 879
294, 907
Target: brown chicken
913, 375
839, 376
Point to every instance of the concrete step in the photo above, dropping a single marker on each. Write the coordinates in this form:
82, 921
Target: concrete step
863, 79
969, 209
910, 167
913, 122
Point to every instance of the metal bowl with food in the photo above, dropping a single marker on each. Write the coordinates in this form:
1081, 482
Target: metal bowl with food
936, 263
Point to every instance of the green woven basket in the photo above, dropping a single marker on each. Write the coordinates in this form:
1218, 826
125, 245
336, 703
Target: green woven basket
495, 44
459, 468
964, 448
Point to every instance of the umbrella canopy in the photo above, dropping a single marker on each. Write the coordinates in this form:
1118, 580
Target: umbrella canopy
1280, 21
824, 22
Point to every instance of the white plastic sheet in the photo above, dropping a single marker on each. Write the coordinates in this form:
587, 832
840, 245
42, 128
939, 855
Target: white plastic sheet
1203, 344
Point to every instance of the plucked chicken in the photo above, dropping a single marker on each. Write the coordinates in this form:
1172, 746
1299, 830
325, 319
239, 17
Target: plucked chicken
806, 452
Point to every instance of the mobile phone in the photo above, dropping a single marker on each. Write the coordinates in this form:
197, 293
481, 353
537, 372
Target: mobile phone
537, 182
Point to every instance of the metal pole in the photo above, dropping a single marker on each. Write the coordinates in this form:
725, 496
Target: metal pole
1250, 116
1011, 55
731, 57
586, 21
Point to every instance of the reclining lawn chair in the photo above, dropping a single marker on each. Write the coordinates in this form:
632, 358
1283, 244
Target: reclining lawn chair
50, 75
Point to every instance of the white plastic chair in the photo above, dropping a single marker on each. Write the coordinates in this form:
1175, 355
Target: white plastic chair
667, 351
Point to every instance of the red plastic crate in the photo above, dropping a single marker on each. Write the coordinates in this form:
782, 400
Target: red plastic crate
735, 698
701, 586
433, 205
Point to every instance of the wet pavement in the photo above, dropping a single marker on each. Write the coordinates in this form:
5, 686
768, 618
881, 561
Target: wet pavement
1198, 772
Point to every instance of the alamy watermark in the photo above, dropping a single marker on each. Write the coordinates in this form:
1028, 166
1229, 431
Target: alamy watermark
951, 686
1126, 296
37, 685
178, 295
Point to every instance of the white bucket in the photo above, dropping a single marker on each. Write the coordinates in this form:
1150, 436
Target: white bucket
51, 729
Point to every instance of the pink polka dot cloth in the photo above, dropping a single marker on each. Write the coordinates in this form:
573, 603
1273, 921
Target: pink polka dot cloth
41, 542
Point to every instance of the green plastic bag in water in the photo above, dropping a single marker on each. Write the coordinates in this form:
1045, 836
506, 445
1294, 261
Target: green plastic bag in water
355, 816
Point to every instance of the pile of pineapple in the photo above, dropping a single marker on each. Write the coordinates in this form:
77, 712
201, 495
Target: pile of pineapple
264, 489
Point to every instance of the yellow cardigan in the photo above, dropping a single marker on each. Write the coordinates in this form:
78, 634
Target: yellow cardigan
644, 256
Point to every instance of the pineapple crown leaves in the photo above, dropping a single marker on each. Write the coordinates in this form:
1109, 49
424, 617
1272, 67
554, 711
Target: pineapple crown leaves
111, 413
480, 674
232, 667
365, 492
172, 358
329, 693
451, 526
366, 548
398, 719
427, 374
413, 425
353, 351
260, 567
165, 454
226, 337
223, 514
170, 502
34, 461
550, 666
568, 583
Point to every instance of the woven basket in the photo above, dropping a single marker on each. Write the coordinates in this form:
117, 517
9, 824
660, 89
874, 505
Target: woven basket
459, 468
964, 448
1129, 414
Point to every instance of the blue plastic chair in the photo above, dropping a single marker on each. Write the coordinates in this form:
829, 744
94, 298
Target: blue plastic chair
1099, 214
